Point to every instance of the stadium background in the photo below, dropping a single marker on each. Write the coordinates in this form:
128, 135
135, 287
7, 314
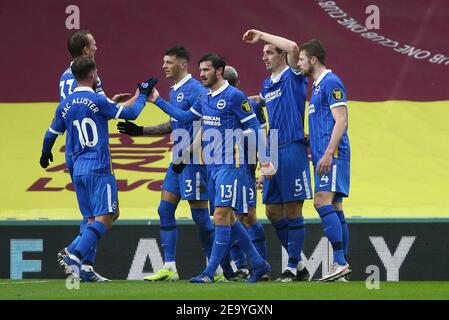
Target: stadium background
398, 106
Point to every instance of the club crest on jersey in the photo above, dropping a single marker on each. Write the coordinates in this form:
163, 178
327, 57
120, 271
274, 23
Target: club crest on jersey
180, 97
246, 107
221, 104
337, 94
316, 90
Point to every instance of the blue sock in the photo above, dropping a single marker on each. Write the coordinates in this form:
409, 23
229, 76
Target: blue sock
240, 234
226, 264
169, 230
205, 228
89, 240
75, 242
257, 236
332, 229
345, 232
281, 228
238, 256
90, 258
219, 249
296, 234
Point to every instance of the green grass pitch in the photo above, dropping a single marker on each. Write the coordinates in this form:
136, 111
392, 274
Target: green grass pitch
183, 290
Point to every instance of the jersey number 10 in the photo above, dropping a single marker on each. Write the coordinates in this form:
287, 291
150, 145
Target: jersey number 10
82, 132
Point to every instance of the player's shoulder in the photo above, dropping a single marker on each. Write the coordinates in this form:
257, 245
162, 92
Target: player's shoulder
67, 74
266, 82
101, 99
63, 104
295, 74
332, 79
192, 82
235, 93
195, 86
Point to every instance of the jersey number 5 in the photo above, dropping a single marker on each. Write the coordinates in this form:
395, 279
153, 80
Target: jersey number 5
83, 134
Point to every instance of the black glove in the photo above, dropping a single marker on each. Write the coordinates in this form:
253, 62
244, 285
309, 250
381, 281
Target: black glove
130, 128
44, 159
177, 168
147, 86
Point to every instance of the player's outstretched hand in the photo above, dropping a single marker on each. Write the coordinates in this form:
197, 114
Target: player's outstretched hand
154, 95
121, 97
130, 128
45, 157
252, 36
147, 86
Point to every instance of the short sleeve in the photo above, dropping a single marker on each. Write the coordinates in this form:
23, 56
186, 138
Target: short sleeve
197, 108
241, 107
258, 110
336, 93
110, 109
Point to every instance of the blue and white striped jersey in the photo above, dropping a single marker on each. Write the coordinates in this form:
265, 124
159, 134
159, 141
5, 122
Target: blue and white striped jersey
285, 97
222, 112
327, 92
67, 84
85, 114
183, 95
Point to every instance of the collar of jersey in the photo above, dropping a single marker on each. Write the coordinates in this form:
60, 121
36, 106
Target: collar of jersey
220, 90
77, 89
180, 83
321, 77
278, 77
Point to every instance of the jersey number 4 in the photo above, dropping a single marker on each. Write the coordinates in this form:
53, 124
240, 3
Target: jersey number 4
83, 134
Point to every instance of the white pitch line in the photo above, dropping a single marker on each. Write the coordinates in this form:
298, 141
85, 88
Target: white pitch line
23, 282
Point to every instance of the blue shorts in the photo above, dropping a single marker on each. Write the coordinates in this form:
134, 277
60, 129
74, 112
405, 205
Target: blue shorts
251, 192
228, 188
190, 184
97, 195
336, 181
292, 179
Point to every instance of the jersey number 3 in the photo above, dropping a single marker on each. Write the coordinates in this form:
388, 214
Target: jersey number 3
83, 134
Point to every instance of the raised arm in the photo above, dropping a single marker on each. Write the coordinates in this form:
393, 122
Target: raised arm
292, 49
